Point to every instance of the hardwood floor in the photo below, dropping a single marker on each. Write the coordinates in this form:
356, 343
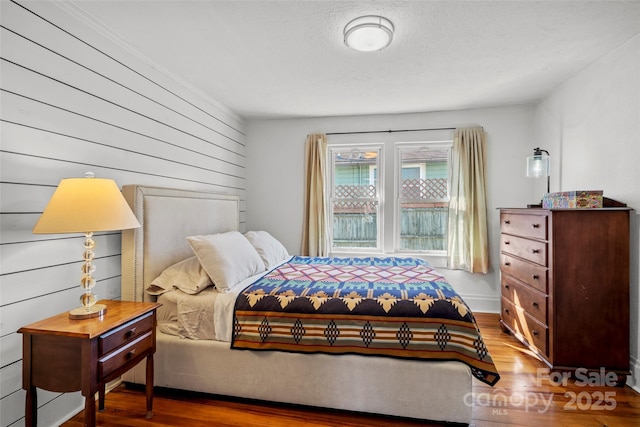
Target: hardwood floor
524, 396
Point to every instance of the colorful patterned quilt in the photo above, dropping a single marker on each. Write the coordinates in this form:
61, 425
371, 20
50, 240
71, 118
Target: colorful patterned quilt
396, 307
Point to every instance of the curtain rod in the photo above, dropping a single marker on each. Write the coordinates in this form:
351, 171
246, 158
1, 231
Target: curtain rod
386, 131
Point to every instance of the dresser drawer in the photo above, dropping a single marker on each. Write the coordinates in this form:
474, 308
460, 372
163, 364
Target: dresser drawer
532, 301
532, 250
125, 333
525, 327
532, 274
117, 359
534, 226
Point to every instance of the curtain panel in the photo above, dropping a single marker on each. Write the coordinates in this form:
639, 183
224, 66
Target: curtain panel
314, 233
467, 241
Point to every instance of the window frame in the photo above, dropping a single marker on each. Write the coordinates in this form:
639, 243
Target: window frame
332, 150
399, 147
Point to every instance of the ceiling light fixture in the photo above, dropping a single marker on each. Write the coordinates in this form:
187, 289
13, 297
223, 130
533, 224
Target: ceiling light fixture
368, 33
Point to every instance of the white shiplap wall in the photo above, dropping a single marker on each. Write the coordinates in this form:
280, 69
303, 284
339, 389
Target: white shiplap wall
74, 100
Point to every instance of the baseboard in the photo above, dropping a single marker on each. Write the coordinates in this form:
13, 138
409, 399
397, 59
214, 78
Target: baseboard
634, 380
482, 303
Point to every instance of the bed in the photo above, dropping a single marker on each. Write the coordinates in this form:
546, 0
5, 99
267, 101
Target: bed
199, 357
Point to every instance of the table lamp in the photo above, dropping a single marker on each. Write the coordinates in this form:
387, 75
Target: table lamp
86, 205
538, 165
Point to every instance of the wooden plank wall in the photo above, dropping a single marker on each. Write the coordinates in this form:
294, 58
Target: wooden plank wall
74, 100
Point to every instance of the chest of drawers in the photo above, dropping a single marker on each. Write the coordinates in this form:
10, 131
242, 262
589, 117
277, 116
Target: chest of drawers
564, 276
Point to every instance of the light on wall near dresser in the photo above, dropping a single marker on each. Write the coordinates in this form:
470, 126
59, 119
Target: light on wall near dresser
538, 165
86, 205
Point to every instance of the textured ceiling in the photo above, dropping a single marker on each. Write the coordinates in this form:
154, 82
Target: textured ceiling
287, 58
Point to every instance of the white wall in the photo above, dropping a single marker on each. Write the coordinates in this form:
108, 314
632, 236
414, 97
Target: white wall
73, 100
275, 171
591, 126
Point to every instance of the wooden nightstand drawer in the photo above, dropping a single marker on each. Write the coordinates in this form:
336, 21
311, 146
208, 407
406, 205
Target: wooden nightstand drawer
534, 226
532, 274
117, 359
124, 334
532, 301
528, 249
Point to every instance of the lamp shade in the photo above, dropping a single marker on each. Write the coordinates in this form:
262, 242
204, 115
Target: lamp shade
538, 164
82, 205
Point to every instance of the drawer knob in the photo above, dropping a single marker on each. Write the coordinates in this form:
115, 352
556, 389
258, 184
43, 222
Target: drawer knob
131, 332
131, 354
535, 333
506, 242
507, 263
535, 276
506, 310
507, 222
506, 286
535, 225
536, 251
535, 304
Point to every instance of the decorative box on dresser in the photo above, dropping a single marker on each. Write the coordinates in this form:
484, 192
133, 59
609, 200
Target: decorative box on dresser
565, 285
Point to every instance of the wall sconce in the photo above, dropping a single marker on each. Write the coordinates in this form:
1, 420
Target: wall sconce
538, 165
86, 205
368, 33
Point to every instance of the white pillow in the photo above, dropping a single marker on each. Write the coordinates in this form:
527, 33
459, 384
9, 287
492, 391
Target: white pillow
186, 275
268, 247
228, 258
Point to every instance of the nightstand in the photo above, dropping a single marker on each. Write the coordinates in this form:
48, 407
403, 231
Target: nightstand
65, 355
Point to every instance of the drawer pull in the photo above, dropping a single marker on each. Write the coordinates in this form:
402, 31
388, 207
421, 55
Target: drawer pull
131, 354
535, 276
131, 332
507, 222
535, 251
535, 225
535, 304
507, 263
535, 333
507, 242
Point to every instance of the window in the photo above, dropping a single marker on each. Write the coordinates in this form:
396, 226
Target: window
359, 218
354, 188
423, 180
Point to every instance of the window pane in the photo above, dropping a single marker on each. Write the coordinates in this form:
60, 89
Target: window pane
424, 198
355, 203
423, 226
355, 224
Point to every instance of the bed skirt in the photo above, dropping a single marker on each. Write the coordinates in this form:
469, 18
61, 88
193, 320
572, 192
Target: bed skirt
436, 391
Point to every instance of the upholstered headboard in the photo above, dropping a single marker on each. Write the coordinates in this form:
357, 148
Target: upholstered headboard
167, 217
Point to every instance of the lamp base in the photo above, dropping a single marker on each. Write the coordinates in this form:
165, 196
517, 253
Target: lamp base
82, 313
